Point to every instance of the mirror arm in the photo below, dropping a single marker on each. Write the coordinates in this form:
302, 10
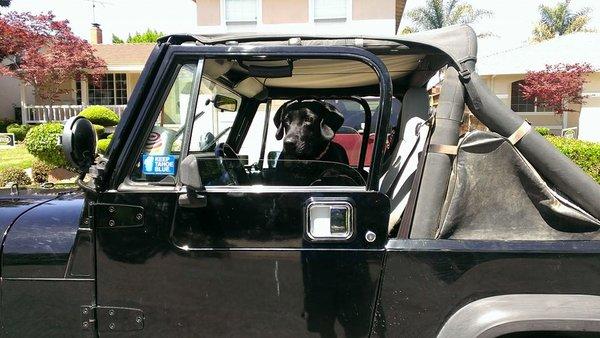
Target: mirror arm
192, 199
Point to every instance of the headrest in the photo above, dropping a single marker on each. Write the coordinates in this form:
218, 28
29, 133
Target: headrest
415, 103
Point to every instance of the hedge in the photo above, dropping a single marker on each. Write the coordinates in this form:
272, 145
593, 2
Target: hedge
13, 175
100, 130
102, 145
19, 130
40, 171
42, 142
100, 115
584, 154
543, 131
5, 123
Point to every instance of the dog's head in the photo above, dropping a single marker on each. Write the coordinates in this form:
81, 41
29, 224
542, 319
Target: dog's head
308, 126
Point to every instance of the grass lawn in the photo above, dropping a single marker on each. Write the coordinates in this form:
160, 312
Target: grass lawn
16, 157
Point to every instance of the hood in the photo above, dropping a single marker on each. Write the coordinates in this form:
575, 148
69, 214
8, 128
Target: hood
11, 207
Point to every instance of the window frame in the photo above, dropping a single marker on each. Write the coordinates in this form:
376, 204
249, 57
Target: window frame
230, 22
345, 18
518, 100
156, 80
118, 100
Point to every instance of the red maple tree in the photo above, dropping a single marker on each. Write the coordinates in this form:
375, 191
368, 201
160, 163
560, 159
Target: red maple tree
557, 86
44, 53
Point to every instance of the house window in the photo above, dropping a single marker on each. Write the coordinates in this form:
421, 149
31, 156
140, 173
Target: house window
329, 10
518, 102
241, 11
110, 90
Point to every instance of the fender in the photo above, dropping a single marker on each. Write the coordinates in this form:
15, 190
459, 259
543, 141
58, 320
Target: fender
499, 315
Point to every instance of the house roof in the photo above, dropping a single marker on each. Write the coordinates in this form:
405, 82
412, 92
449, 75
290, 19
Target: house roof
125, 56
572, 48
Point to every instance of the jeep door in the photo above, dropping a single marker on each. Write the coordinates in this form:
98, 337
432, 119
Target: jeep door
239, 258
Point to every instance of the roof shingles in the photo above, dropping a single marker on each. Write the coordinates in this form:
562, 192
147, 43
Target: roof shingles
126, 55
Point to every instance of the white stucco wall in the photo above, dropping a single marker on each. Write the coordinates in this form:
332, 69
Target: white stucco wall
10, 97
589, 124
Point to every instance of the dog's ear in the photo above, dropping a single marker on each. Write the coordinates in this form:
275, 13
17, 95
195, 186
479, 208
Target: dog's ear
331, 121
326, 131
277, 120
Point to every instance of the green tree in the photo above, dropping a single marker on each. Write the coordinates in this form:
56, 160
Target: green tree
149, 36
560, 20
441, 13
116, 39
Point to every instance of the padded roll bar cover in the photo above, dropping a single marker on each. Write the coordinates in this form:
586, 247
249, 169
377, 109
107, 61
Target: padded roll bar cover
438, 167
555, 167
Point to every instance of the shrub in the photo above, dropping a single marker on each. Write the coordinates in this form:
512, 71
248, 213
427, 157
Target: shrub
13, 175
584, 154
100, 115
543, 131
102, 145
5, 123
110, 136
42, 142
40, 171
20, 131
100, 130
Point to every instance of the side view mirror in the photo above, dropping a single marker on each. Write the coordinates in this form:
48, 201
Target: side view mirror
225, 103
79, 143
189, 175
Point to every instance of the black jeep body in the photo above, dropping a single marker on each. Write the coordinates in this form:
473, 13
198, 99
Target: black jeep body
136, 254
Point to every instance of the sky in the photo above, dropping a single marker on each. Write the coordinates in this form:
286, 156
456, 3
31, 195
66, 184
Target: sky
512, 21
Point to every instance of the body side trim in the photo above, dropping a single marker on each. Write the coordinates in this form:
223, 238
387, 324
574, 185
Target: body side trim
498, 315
453, 245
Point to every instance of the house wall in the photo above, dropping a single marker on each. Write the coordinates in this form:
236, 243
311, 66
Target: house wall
296, 16
586, 118
71, 99
589, 121
67, 98
10, 97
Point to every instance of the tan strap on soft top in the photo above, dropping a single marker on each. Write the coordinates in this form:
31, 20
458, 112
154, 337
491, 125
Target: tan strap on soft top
523, 130
443, 149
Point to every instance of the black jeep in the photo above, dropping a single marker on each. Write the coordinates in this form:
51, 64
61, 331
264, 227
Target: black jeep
193, 224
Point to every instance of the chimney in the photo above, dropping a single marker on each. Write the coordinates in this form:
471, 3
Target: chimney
96, 34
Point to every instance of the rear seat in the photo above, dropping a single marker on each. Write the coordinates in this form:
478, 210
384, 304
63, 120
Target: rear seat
396, 181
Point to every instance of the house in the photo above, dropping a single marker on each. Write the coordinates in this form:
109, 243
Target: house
124, 66
503, 72
367, 17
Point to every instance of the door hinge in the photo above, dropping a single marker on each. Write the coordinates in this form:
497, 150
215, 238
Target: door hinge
111, 318
106, 215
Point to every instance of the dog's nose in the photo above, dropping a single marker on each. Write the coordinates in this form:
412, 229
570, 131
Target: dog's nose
289, 145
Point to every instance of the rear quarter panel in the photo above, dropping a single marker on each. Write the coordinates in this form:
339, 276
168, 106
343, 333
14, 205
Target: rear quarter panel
426, 281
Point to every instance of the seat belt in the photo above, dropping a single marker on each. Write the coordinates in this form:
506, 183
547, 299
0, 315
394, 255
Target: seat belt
407, 216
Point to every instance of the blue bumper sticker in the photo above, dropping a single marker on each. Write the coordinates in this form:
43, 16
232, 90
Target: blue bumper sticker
158, 164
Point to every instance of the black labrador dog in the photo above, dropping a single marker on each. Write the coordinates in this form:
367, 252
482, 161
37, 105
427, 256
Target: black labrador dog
309, 127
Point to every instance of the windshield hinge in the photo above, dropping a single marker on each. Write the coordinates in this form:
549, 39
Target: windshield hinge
111, 318
107, 215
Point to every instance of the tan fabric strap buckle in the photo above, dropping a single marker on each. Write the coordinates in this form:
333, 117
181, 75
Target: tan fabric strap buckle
523, 130
443, 149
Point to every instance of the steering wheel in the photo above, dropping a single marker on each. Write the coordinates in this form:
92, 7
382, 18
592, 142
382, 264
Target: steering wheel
224, 150
231, 164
